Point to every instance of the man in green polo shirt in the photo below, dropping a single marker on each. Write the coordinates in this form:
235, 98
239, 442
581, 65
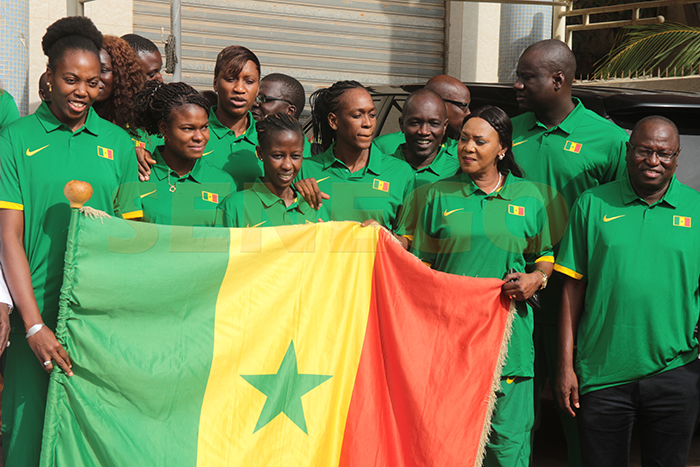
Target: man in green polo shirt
457, 99
567, 149
257, 206
631, 301
377, 191
190, 200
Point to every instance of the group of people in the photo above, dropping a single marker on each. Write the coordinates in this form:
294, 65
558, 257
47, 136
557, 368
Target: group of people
469, 193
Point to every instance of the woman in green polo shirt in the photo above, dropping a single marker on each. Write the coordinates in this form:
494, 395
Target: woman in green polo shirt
272, 200
484, 222
39, 154
361, 182
184, 188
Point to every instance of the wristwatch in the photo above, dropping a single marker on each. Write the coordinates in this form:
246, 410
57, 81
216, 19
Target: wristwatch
545, 278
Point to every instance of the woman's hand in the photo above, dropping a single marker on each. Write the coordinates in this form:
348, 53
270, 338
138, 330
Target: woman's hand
145, 162
47, 349
566, 390
4, 326
309, 190
523, 286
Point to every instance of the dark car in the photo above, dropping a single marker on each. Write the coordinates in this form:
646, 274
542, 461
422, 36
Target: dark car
621, 105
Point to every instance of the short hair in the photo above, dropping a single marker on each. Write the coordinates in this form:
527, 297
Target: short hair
292, 89
660, 119
500, 122
155, 103
140, 44
323, 102
128, 80
557, 56
423, 92
274, 124
70, 33
232, 59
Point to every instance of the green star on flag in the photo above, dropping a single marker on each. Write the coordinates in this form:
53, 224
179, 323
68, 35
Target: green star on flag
284, 390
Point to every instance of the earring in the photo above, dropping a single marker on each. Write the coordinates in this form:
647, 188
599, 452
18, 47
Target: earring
50, 88
500, 158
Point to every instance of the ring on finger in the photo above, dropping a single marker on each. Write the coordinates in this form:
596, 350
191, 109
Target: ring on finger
47, 363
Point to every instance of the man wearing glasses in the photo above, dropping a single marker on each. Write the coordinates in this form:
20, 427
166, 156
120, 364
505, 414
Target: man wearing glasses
567, 149
456, 97
631, 256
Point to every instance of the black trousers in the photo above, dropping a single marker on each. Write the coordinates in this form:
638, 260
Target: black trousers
666, 407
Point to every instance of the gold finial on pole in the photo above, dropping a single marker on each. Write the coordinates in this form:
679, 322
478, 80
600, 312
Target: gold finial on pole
78, 193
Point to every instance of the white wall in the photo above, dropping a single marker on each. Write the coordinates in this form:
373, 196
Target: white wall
472, 40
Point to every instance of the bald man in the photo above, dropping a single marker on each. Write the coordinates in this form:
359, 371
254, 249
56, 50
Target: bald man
456, 97
567, 149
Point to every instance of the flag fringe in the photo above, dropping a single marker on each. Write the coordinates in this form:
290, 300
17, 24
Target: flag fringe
93, 213
502, 356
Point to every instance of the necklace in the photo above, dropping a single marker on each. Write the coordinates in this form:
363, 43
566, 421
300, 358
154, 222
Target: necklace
173, 187
494, 188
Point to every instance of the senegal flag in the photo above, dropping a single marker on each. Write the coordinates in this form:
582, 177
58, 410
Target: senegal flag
314, 345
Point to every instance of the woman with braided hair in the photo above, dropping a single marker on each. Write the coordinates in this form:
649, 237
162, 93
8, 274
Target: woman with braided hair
359, 182
272, 200
121, 77
39, 154
183, 189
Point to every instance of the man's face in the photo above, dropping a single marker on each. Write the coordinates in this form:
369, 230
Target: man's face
424, 125
652, 156
535, 85
457, 100
273, 95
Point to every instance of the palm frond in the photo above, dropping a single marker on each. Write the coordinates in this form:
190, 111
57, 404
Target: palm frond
643, 48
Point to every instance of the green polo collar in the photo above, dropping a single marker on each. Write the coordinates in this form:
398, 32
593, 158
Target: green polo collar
50, 123
161, 169
505, 192
437, 166
374, 165
220, 130
268, 198
568, 125
671, 197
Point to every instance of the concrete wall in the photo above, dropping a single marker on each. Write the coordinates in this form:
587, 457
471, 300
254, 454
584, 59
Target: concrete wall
14, 52
111, 17
472, 40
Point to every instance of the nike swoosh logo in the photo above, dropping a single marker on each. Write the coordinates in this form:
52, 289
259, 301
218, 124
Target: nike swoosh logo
31, 153
208, 152
520, 142
447, 213
149, 193
256, 225
608, 219
510, 380
319, 181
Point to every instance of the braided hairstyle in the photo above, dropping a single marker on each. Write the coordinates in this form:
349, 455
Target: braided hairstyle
128, 79
155, 103
70, 33
323, 102
500, 122
274, 124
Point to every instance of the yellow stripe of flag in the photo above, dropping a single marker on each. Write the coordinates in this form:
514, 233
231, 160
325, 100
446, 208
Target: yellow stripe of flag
232, 405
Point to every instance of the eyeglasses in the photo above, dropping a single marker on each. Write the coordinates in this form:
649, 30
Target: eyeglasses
262, 98
462, 105
645, 153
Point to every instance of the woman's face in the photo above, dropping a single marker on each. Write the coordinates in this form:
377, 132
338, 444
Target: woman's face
479, 147
282, 160
187, 133
106, 78
355, 120
75, 83
236, 94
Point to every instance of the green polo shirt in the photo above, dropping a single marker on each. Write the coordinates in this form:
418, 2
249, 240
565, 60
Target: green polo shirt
8, 109
194, 200
257, 206
146, 141
390, 142
38, 156
641, 265
377, 191
443, 166
583, 151
231, 153
464, 231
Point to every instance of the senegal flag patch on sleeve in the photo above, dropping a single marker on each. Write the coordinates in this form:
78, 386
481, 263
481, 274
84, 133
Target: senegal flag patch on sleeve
680, 221
573, 147
105, 153
516, 210
211, 197
380, 185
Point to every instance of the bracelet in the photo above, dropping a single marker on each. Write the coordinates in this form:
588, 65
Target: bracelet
34, 329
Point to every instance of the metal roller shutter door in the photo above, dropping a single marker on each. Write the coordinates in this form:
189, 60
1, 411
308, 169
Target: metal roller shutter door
316, 41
